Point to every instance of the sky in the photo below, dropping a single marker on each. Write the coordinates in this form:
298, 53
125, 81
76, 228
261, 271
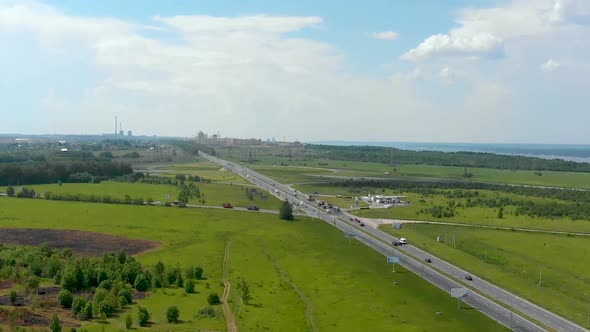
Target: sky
494, 71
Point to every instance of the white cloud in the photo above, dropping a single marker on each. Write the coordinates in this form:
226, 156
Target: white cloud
550, 65
386, 35
484, 32
446, 75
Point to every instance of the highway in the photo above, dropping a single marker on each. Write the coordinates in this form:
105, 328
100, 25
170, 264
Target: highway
439, 272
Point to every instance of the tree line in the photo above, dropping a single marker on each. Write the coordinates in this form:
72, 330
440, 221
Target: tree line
395, 156
61, 171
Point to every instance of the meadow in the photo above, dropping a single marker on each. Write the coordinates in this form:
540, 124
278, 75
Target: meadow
549, 270
301, 273
215, 193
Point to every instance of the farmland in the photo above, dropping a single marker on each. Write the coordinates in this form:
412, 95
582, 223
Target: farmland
530, 264
348, 287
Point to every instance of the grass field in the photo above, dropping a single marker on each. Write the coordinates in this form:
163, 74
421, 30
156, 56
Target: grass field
205, 169
516, 261
289, 267
475, 215
215, 193
369, 169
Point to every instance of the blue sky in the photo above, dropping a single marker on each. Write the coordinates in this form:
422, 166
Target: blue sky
447, 71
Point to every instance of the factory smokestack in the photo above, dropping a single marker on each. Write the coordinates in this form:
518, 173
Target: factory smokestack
116, 125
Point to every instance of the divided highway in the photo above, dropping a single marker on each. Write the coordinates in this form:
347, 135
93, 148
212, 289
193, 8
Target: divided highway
440, 273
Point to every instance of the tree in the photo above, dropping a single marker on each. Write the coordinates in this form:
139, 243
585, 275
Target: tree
501, 213
199, 273
143, 316
213, 299
87, 311
172, 314
286, 211
189, 286
78, 305
55, 324
32, 283
65, 298
243, 286
180, 280
10, 191
128, 321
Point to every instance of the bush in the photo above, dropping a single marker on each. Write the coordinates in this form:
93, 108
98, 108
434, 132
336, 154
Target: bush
207, 312
128, 322
78, 305
199, 273
172, 314
286, 211
189, 286
55, 324
213, 299
126, 293
106, 307
10, 192
65, 298
143, 316
142, 283
87, 311
122, 301
12, 297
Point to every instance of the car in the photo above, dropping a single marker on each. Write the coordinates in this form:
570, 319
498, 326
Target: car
362, 225
253, 208
403, 240
227, 206
351, 219
468, 277
428, 260
395, 243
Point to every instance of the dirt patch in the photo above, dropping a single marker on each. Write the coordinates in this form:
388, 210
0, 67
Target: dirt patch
81, 242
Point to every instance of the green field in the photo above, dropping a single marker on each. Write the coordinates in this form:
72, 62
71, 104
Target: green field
348, 287
215, 193
205, 169
475, 215
516, 261
370, 169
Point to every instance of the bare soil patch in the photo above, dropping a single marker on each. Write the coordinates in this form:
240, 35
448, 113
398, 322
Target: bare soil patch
81, 242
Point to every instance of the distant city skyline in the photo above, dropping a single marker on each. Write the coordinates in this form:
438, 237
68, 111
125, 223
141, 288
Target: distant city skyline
486, 71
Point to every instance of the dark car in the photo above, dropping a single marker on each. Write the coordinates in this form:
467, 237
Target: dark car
428, 260
253, 208
395, 243
362, 225
351, 219
468, 278
227, 205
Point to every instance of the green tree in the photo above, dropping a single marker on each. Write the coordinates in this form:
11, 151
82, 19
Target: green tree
128, 321
189, 286
180, 280
10, 192
65, 298
501, 213
143, 316
87, 313
213, 299
172, 314
286, 211
199, 273
55, 324
142, 283
78, 305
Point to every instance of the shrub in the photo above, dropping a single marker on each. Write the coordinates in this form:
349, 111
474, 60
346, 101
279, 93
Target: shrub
172, 314
126, 293
33, 283
143, 316
106, 307
213, 299
87, 311
78, 305
122, 301
142, 283
180, 280
12, 297
128, 322
55, 324
65, 298
106, 284
207, 312
189, 286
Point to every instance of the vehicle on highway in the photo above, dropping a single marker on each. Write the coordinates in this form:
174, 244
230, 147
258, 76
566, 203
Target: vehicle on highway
428, 260
253, 208
403, 240
228, 206
468, 277
395, 243
328, 210
362, 225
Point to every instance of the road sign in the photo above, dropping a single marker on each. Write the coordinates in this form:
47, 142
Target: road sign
458, 292
393, 259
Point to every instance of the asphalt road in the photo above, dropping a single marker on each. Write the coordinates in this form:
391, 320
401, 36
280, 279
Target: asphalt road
412, 258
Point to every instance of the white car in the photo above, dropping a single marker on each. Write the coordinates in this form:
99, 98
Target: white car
403, 240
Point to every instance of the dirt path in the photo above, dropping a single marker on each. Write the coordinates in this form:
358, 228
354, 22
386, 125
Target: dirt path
229, 315
285, 277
